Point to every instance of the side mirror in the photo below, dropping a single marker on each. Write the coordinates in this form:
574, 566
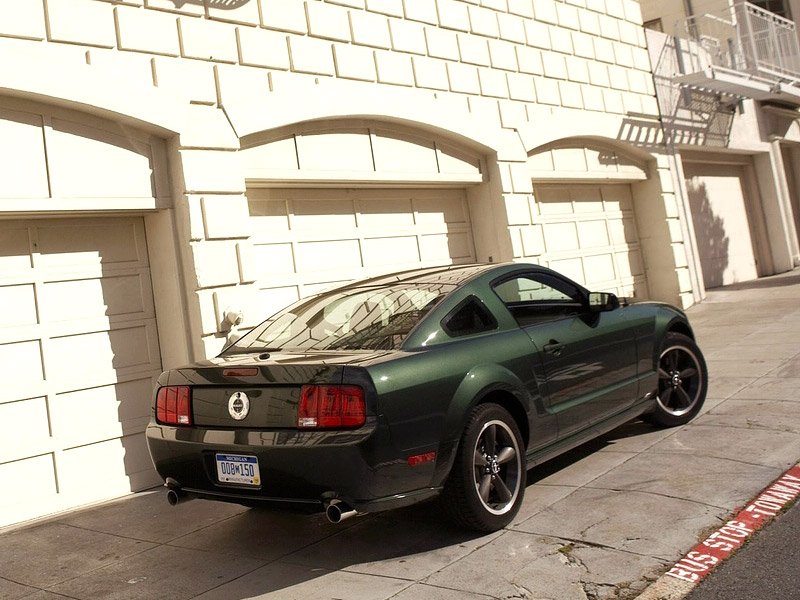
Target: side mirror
602, 302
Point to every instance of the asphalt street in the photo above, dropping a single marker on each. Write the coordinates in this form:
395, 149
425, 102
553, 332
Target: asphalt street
602, 522
766, 568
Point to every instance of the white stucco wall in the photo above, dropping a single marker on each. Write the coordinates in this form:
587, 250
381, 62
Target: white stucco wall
498, 78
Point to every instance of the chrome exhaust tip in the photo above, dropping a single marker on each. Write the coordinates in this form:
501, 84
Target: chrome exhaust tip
175, 496
337, 511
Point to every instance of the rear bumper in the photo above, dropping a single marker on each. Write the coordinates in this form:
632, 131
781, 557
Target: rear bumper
298, 469
308, 505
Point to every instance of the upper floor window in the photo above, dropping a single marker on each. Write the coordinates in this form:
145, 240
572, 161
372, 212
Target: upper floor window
779, 7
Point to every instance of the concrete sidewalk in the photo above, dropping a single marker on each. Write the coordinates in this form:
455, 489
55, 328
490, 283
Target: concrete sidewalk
600, 522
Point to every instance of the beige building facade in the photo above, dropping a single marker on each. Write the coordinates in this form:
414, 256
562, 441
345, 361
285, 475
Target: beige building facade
728, 84
168, 163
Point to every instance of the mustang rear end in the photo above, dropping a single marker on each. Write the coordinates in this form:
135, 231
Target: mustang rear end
293, 431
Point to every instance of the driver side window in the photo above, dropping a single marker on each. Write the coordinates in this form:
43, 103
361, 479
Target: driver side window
536, 297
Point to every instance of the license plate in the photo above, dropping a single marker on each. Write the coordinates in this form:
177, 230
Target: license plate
236, 468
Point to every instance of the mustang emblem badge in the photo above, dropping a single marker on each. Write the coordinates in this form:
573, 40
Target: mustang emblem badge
238, 405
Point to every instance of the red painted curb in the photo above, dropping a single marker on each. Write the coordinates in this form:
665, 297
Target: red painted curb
718, 546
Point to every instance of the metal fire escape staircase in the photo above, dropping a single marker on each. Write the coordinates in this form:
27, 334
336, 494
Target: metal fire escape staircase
746, 52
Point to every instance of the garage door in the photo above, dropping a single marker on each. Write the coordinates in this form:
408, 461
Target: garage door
310, 239
722, 224
791, 168
78, 358
588, 232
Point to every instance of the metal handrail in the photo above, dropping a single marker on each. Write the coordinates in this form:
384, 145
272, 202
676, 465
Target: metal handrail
745, 38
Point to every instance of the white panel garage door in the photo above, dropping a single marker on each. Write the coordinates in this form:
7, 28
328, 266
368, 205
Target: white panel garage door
719, 203
588, 233
310, 239
78, 358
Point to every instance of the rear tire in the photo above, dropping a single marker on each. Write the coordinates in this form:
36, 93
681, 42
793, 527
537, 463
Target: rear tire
487, 482
682, 382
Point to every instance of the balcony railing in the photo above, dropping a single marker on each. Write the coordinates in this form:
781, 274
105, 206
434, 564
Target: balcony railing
746, 39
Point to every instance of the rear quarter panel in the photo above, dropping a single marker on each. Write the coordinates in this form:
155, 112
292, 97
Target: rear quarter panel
426, 395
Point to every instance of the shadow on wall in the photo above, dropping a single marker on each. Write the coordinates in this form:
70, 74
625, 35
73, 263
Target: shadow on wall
709, 229
697, 124
641, 132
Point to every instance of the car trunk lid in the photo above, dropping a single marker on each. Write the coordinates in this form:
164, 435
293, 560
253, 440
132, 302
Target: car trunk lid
248, 392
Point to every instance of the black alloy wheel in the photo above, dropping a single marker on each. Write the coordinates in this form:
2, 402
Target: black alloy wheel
682, 381
487, 483
497, 467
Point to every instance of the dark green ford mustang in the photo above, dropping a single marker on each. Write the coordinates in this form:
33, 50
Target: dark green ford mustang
447, 381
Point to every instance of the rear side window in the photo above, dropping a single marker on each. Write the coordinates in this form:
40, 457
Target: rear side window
468, 318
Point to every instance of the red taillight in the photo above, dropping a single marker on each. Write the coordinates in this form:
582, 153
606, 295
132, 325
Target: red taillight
174, 405
331, 407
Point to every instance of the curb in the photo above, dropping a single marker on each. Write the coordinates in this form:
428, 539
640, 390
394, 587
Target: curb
701, 560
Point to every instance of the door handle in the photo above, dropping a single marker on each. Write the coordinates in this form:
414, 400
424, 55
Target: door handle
554, 347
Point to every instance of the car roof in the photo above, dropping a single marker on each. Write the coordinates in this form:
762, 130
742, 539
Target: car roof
450, 274
455, 275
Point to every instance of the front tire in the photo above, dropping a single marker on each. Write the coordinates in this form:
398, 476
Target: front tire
487, 483
682, 382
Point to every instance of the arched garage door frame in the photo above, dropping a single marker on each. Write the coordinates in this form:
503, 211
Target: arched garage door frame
404, 194
660, 219
80, 351
585, 216
62, 221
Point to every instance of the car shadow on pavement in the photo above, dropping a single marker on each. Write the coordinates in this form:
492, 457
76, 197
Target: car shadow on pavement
632, 429
404, 545
140, 547
316, 558
554, 465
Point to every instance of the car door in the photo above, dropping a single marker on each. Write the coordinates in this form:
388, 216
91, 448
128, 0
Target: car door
589, 358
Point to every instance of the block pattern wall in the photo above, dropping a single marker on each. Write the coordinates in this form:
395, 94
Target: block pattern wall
497, 55
489, 59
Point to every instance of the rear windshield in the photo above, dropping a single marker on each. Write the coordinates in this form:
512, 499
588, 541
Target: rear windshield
373, 318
